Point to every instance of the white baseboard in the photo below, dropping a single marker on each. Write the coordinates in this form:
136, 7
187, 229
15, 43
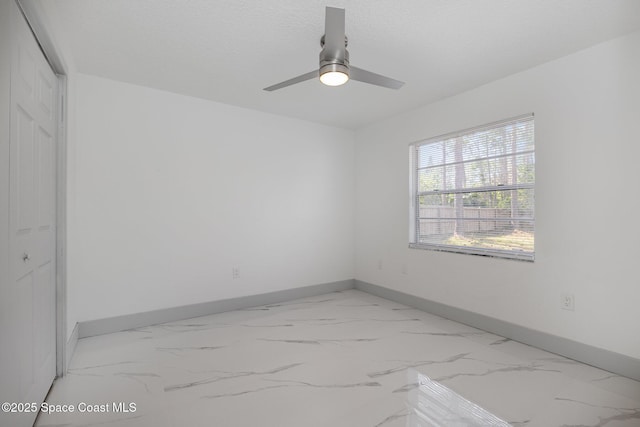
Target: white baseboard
137, 320
594, 356
71, 348
600, 358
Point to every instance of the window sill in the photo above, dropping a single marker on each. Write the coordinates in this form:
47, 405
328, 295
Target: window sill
512, 255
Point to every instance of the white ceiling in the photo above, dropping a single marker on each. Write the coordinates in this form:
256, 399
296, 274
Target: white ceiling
227, 51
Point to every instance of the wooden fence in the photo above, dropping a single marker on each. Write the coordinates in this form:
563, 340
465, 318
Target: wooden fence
483, 223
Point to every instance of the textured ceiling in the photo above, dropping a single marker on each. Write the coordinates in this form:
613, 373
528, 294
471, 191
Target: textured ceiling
228, 51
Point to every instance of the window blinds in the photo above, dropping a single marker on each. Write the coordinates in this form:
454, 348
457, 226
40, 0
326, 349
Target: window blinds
473, 190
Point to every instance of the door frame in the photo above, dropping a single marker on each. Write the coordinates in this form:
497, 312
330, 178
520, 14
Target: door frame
61, 231
36, 20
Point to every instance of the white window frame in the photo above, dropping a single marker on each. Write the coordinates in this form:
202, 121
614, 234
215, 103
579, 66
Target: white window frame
415, 194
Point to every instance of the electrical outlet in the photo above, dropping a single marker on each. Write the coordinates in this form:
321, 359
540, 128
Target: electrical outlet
567, 302
235, 272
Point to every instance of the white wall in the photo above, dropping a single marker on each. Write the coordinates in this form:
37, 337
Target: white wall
587, 118
172, 192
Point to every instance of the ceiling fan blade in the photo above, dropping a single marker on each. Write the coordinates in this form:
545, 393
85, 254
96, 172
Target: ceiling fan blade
365, 76
308, 76
334, 41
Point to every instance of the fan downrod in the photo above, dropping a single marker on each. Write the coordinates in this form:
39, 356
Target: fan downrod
346, 41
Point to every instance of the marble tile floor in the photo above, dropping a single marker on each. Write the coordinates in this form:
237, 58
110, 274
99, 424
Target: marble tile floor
341, 359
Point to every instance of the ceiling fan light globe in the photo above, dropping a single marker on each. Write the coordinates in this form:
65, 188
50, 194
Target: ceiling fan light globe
334, 78
334, 73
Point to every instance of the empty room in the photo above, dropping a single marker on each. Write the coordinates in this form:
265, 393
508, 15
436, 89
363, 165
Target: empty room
300, 213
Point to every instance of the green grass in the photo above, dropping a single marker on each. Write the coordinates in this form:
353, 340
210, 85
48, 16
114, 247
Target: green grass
520, 240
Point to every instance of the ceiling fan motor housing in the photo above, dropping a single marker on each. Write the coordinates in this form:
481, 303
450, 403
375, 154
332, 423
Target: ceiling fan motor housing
336, 60
335, 65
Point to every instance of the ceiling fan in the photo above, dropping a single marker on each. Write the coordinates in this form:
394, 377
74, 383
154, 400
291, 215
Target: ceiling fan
334, 59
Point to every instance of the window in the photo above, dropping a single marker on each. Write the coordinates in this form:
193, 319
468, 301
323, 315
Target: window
473, 191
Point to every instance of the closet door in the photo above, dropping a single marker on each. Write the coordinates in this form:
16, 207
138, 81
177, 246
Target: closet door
29, 321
